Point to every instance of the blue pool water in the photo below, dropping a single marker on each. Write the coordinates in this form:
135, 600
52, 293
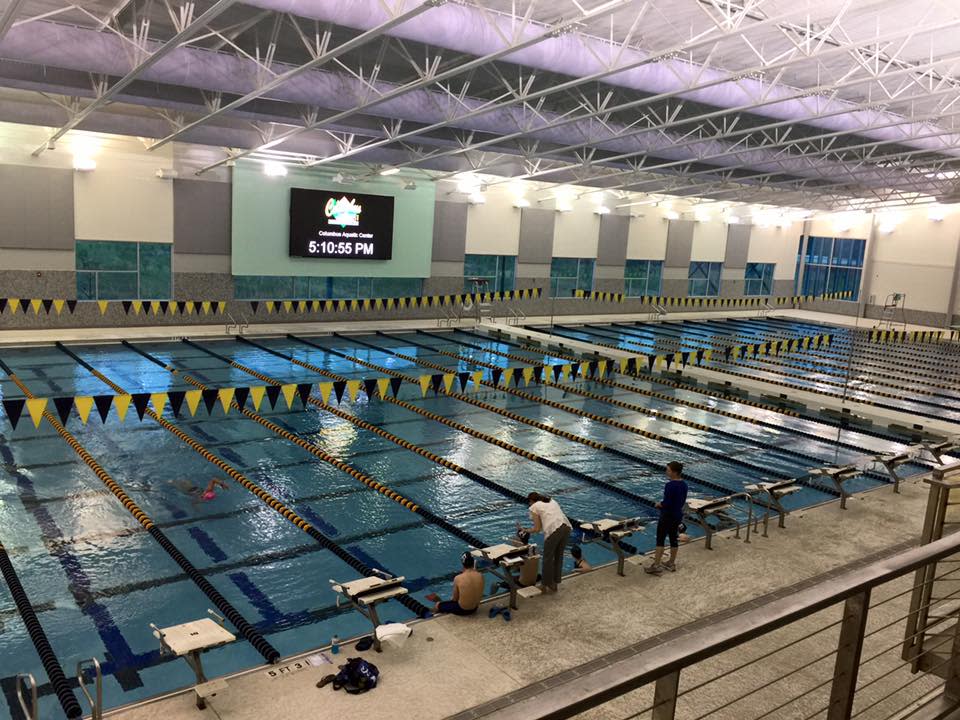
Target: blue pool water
98, 579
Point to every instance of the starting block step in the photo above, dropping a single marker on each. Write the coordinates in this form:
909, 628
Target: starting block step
211, 688
529, 592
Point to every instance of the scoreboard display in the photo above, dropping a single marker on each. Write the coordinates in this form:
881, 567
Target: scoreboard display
340, 225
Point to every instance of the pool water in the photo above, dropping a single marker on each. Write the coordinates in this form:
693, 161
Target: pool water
98, 580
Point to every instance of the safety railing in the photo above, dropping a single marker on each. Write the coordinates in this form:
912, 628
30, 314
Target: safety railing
826, 649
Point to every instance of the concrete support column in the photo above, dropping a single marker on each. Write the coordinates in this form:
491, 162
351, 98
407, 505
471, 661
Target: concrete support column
804, 239
954, 288
866, 275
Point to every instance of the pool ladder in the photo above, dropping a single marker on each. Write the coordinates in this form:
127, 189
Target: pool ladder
96, 700
31, 711
244, 324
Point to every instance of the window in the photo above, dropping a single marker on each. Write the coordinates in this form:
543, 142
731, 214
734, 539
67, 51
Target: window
642, 277
278, 287
108, 270
758, 279
498, 270
569, 274
704, 279
833, 265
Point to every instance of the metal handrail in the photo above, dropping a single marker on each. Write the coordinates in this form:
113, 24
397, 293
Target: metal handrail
668, 659
32, 712
96, 703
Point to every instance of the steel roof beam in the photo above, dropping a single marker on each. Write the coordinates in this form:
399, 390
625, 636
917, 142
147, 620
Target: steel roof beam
189, 29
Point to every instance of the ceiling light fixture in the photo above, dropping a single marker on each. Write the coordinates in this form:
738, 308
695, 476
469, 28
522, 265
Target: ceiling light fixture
387, 171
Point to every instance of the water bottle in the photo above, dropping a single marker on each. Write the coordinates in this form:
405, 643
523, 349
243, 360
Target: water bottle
335, 645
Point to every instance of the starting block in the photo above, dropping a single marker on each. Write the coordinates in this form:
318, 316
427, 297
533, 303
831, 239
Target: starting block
938, 449
891, 461
839, 474
703, 509
610, 531
366, 593
506, 561
189, 641
772, 493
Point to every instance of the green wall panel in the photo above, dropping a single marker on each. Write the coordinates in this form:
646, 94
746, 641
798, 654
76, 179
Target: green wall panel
261, 224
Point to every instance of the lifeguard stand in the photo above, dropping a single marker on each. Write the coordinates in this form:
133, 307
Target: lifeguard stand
894, 308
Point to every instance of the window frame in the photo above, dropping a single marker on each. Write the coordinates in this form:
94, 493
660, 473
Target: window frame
765, 279
576, 277
648, 291
709, 268
84, 273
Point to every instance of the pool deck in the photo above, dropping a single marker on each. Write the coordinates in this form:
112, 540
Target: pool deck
450, 665
161, 333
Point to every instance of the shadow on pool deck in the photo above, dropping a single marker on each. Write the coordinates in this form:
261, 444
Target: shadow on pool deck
452, 664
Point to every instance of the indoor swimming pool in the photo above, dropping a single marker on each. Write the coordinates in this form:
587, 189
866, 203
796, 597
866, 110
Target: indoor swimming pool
98, 579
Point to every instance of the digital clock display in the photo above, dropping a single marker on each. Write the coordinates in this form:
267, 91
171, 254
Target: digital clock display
339, 224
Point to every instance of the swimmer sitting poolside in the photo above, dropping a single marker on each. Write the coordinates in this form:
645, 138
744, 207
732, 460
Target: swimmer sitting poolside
467, 591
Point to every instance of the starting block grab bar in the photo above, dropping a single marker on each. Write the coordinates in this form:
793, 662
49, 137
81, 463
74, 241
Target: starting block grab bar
610, 532
702, 510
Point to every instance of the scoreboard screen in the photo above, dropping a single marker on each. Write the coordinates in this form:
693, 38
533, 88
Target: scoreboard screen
336, 224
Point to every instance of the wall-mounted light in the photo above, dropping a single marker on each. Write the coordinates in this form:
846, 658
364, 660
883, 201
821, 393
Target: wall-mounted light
274, 169
84, 164
671, 215
477, 198
937, 213
387, 171
564, 208
468, 183
521, 202
601, 210
409, 185
731, 219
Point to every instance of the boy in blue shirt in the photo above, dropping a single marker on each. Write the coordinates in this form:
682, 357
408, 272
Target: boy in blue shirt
671, 515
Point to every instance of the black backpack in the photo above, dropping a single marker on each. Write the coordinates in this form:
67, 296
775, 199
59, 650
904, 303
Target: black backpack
357, 676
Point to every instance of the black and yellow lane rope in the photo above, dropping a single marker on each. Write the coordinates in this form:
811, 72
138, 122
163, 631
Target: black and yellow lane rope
638, 409
280, 507
837, 352
357, 474
721, 366
324, 541
48, 658
522, 419
900, 356
526, 454
405, 444
246, 630
730, 414
567, 388
661, 380
837, 364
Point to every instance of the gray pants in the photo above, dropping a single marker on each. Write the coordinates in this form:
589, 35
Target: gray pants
553, 548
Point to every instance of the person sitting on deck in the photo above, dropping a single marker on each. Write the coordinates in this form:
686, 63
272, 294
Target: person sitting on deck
467, 590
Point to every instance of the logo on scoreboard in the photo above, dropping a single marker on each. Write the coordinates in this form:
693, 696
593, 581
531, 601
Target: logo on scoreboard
343, 212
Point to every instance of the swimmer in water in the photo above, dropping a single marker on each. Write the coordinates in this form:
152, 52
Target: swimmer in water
198, 495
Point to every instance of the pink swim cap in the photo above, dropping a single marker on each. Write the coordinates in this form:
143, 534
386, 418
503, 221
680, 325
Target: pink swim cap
209, 495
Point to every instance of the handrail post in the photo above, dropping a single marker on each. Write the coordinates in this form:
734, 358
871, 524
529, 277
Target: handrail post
847, 666
95, 701
665, 696
33, 711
